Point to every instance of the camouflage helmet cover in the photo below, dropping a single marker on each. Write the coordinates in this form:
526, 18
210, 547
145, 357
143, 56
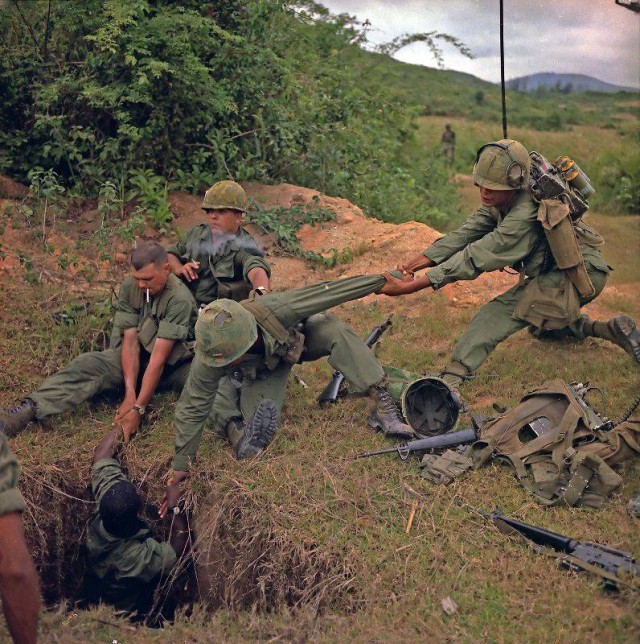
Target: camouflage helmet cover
225, 330
225, 194
502, 165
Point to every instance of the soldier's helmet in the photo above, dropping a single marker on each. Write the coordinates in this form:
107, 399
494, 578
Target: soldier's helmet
225, 330
502, 165
225, 194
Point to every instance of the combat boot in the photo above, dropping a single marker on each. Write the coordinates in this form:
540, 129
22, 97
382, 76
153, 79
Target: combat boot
385, 415
258, 432
620, 330
454, 374
14, 420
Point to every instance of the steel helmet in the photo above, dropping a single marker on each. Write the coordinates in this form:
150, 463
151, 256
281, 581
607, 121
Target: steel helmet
225, 194
502, 165
225, 330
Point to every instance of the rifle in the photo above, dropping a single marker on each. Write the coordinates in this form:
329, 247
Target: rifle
331, 392
450, 439
576, 555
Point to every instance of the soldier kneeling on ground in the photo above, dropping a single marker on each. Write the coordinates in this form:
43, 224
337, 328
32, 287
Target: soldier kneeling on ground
245, 352
126, 564
509, 231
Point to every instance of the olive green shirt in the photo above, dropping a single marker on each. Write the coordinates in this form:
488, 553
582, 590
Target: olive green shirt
290, 308
10, 497
173, 313
224, 258
490, 240
122, 563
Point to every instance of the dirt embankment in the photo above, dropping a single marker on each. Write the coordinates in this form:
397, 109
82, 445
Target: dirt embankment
70, 258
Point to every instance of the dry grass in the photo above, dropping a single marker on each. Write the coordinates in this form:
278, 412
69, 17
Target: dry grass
306, 543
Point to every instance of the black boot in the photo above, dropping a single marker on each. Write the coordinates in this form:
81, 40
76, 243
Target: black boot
14, 420
259, 431
620, 330
385, 415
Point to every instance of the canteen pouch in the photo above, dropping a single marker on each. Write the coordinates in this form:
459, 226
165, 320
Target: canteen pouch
548, 307
554, 215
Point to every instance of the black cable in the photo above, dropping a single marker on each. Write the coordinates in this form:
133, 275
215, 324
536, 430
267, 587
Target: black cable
504, 97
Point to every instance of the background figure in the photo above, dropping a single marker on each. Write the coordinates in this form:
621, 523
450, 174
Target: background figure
19, 583
153, 324
125, 561
448, 144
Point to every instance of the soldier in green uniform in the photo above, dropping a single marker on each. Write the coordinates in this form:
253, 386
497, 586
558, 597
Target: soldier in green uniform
19, 583
126, 563
220, 258
448, 143
249, 349
153, 329
505, 232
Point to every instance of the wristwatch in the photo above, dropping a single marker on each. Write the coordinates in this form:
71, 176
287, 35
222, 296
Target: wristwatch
261, 290
176, 509
139, 409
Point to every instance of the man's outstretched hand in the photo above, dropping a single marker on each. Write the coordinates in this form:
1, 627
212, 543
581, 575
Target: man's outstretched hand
173, 491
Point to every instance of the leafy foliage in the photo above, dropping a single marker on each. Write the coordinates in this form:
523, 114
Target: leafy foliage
195, 92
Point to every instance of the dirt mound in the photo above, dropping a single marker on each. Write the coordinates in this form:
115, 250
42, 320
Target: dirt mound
363, 244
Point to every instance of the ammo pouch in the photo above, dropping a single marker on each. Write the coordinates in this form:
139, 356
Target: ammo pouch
554, 215
548, 307
237, 290
290, 341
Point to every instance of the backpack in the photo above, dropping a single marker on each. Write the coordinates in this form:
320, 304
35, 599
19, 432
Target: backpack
559, 448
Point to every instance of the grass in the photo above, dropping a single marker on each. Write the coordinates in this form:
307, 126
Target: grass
319, 515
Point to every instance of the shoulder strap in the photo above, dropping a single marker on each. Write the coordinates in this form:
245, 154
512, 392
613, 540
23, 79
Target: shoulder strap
267, 320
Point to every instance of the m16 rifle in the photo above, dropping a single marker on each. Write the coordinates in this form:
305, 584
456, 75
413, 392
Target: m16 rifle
332, 392
610, 564
450, 439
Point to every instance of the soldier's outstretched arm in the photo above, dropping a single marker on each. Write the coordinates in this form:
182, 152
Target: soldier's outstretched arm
192, 411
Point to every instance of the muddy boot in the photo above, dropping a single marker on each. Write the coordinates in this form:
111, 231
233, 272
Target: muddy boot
259, 431
620, 330
14, 420
454, 374
385, 415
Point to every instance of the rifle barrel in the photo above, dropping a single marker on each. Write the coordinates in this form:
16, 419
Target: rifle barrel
542, 537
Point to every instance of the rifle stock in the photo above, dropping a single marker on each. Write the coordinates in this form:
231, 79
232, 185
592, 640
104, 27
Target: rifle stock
331, 392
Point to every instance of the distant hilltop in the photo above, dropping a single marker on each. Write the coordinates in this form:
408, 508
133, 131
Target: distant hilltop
566, 83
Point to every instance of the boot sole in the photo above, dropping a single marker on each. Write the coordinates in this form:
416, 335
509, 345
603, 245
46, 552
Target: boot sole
625, 329
260, 430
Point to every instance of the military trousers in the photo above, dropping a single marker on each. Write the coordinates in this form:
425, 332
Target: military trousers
495, 321
325, 335
91, 374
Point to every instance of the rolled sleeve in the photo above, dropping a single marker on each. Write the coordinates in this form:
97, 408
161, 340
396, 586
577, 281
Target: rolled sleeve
126, 316
11, 499
249, 262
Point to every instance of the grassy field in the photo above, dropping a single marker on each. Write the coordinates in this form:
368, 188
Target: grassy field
312, 544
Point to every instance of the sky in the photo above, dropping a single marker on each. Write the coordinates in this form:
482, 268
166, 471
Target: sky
593, 37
